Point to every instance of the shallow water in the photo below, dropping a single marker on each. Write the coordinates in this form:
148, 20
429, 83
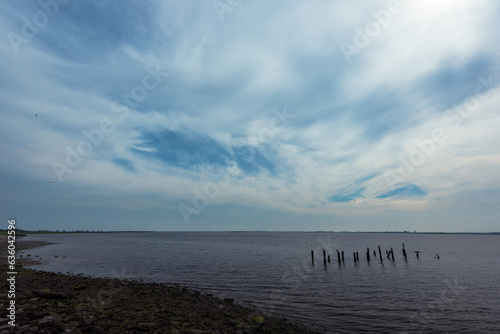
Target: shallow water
459, 292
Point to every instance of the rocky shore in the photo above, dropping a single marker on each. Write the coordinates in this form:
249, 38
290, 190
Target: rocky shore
58, 303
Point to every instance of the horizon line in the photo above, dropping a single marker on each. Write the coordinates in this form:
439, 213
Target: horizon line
246, 231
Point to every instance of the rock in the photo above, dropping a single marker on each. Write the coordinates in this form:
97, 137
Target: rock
33, 314
49, 295
194, 331
80, 287
138, 327
92, 329
49, 320
258, 319
23, 329
33, 329
5, 327
149, 325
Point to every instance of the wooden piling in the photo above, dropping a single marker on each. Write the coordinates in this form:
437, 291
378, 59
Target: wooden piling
357, 256
380, 253
374, 253
312, 256
368, 254
392, 254
324, 257
328, 258
338, 257
354, 254
404, 252
342, 256
417, 252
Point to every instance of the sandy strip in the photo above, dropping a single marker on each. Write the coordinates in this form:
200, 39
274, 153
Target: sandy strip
20, 246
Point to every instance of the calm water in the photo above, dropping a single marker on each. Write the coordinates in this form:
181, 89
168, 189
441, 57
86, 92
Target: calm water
459, 292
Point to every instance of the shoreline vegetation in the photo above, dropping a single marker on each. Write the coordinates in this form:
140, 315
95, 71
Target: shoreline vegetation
48, 302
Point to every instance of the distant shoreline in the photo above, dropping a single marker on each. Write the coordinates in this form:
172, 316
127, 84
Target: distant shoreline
26, 232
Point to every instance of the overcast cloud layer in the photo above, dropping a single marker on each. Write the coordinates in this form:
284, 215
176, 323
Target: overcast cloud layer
250, 115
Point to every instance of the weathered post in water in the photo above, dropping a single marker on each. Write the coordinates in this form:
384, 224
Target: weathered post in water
354, 254
404, 252
338, 257
417, 252
328, 258
380, 253
342, 256
368, 254
312, 257
374, 253
324, 257
357, 256
392, 254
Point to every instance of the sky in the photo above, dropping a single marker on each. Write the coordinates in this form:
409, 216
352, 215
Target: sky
250, 115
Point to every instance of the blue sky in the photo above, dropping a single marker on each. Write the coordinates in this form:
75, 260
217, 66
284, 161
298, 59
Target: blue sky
250, 115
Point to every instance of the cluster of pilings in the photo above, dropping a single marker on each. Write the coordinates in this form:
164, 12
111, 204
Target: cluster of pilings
341, 260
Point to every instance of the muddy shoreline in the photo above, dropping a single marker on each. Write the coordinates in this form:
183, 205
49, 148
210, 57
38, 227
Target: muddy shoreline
49, 302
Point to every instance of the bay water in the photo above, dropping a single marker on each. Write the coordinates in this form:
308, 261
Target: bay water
453, 286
